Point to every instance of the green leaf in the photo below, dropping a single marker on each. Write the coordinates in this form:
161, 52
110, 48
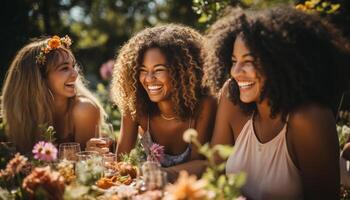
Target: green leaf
224, 151
203, 19
240, 179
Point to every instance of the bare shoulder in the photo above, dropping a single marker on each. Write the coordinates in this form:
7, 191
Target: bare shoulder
311, 116
311, 132
314, 147
85, 108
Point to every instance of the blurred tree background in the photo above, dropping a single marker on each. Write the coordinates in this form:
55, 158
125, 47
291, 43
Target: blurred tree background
99, 27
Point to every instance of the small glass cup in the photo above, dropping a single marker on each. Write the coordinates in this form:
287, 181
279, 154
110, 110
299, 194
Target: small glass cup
109, 160
153, 176
86, 155
89, 167
109, 157
105, 132
69, 151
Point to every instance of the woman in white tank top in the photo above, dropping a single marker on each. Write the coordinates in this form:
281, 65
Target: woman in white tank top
276, 106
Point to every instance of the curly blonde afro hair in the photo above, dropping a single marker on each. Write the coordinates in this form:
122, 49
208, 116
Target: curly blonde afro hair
182, 48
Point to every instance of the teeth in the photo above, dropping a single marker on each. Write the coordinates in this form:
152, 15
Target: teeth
245, 84
154, 87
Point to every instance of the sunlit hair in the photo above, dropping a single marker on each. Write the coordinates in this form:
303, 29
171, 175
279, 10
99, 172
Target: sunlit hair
181, 47
27, 101
303, 58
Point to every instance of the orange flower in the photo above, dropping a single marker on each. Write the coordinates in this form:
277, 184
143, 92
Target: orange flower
187, 187
54, 42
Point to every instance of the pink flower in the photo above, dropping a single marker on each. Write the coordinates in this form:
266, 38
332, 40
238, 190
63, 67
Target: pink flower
49, 152
38, 149
45, 151
156, 153
106, 70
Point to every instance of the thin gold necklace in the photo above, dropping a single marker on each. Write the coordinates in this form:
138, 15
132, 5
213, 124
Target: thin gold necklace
167, 118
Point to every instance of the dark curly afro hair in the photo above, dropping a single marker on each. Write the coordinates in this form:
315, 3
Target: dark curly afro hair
304, 59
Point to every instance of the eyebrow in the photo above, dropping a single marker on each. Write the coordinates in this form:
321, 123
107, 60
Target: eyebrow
64, 63
245, 55
156, 65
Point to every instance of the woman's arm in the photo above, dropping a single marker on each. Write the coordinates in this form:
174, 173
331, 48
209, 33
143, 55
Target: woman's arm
127, 136
230, 119
204, 126
85, 118
314, 143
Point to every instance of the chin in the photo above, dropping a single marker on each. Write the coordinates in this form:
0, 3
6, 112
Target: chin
247, 99
71, 95
153, 99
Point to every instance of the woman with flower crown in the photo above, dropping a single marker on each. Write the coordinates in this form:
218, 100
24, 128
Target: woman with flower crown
43, 87
156, 85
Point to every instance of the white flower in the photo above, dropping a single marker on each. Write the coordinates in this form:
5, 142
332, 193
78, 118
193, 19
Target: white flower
189, 134
345, 130
339, 129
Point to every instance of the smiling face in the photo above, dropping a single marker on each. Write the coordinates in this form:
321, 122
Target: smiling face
62, 76
154, 75
244, 71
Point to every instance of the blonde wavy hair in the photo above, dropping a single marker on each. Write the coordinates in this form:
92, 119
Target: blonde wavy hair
27, 101
182, 47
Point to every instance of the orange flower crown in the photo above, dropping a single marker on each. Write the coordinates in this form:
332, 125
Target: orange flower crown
53, 43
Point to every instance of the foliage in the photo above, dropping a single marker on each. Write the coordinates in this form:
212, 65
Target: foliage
323, 7
7, 150
136, 156
343, 127
48, 133
111, 110
89, 171
211, 10
224, 186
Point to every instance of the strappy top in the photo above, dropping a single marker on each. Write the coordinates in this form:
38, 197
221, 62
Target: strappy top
168, 159
271, 173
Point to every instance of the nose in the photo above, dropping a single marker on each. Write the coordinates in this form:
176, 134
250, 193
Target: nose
236, 69
74, 73
150, 76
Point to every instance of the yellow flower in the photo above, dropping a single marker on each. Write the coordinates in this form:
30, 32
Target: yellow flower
300, 7
54, 42
187, 188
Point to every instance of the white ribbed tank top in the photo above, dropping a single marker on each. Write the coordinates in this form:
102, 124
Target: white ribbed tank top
271, 174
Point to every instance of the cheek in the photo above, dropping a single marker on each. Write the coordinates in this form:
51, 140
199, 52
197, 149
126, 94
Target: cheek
167, 81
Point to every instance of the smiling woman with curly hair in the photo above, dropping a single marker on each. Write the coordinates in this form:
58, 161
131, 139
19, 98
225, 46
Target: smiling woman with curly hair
157, 87
278, 72
181, 47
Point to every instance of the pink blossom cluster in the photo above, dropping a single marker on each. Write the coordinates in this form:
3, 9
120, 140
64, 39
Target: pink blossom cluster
156, 153
45, 151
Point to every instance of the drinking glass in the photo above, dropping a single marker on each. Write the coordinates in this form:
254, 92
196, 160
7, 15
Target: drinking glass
153, 176
109, 160
89, 167
87, 155
105, 132
69, 151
